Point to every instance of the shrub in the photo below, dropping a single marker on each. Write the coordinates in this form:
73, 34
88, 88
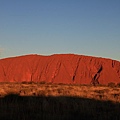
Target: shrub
24, 82
111, 84
42, 82
118, 84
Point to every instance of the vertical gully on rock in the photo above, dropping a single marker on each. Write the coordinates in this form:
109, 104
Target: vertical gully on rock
74, 75
96, 76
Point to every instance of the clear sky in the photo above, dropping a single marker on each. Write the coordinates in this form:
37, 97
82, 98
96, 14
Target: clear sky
87, 27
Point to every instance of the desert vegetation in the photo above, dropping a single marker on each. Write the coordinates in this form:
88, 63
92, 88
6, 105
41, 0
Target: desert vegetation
110, 92
23, 101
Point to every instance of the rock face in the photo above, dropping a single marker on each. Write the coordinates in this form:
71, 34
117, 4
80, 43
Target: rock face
61, 68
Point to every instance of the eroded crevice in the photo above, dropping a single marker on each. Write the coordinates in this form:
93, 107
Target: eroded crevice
74, 75
32, 66
4, 72
96, 76
56, 72
113, 63
100, 69
116, 68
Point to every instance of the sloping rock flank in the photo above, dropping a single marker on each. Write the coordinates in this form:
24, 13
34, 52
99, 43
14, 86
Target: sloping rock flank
61, 68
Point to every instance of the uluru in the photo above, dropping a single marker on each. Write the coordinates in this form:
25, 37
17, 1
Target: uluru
60, 68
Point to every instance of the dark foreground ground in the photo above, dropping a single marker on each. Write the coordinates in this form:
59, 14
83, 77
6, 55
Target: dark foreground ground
15, 107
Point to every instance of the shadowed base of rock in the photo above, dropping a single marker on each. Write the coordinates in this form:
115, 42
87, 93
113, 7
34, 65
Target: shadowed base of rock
15, 107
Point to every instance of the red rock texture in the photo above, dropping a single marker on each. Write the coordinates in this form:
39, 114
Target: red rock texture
61, 68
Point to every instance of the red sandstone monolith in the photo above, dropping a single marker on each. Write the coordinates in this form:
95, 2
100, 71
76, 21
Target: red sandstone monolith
60, 68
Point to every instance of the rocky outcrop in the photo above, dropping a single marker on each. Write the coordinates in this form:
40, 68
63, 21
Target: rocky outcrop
60, 68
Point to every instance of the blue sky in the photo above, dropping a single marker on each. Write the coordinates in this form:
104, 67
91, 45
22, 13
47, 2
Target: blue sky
87, 27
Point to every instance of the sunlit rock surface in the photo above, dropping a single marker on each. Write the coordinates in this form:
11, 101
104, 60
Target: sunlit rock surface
60, 68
